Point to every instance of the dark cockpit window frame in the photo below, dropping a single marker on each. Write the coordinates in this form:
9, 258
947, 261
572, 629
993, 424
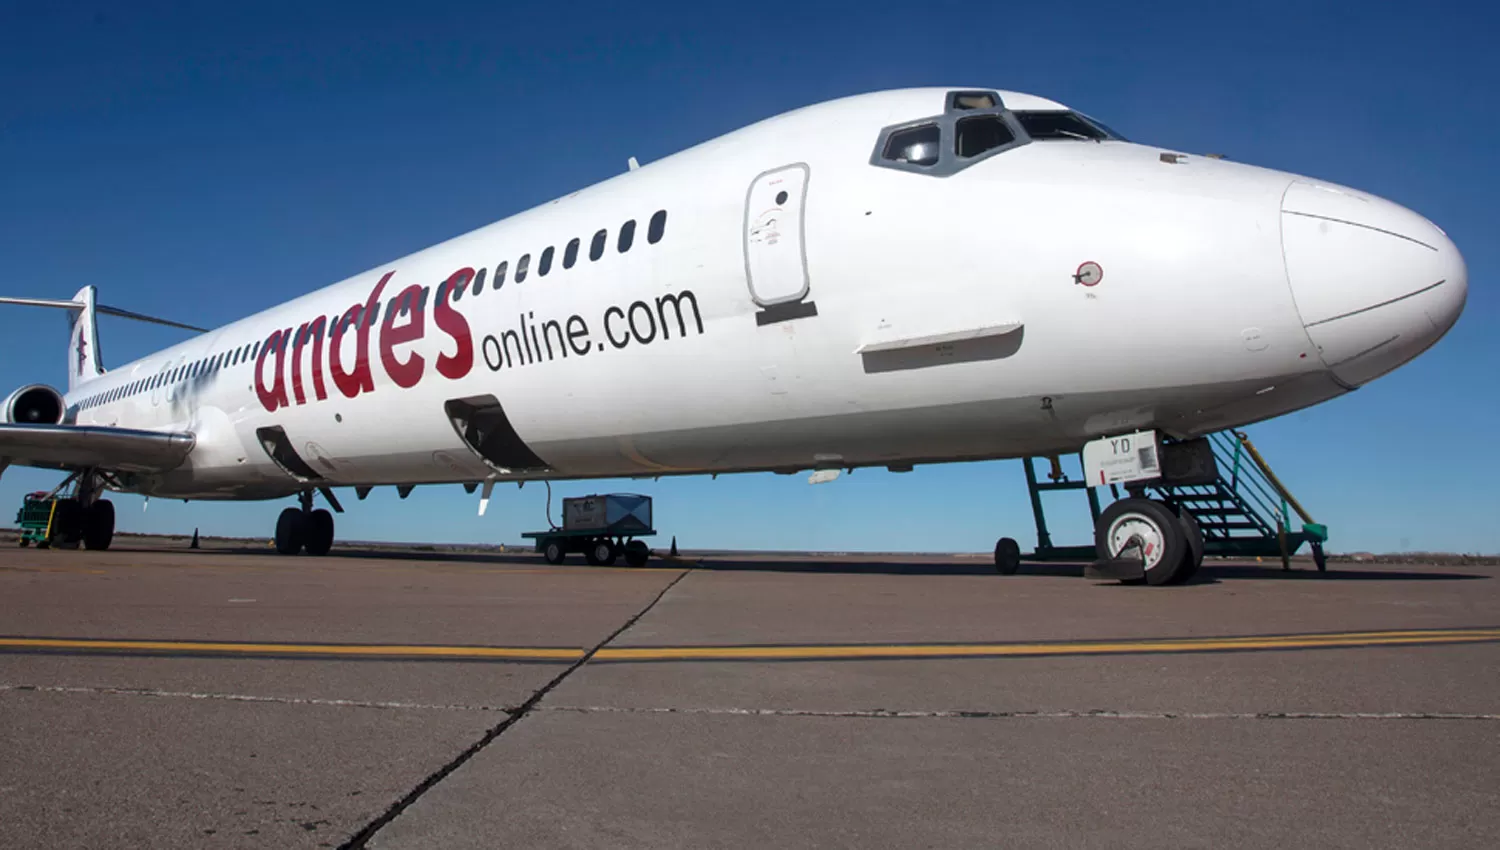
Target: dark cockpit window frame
1081, 127
961, 106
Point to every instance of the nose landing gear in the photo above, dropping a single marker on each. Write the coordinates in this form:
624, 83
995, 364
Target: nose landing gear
304, 528
1167, 545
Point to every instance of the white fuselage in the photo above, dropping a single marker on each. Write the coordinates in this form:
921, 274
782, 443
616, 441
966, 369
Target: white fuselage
657, 360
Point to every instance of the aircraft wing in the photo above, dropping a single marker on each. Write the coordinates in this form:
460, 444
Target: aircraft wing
74, 446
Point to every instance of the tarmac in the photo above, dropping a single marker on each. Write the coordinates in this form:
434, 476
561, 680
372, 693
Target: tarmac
156, 696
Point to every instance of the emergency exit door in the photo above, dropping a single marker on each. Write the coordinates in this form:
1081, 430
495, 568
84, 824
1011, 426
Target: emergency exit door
775, 243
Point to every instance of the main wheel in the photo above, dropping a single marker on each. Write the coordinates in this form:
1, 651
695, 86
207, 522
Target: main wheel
637, 553
601, 553
1149, 528
291, 531
67, 524
319, 532
1007, 556
99, 525
554, 551
1193, 534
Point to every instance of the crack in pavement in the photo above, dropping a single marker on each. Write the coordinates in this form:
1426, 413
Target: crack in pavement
1028, 715
361, 839
154, 692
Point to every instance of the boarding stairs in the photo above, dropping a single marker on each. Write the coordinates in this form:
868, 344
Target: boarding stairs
1244, 511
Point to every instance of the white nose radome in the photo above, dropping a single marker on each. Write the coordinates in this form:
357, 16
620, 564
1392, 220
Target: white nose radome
1375, 283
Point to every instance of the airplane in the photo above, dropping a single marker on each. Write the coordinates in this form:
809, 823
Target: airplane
914, 276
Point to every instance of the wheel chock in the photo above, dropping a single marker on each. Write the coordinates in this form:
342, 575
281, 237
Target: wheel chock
1116, 569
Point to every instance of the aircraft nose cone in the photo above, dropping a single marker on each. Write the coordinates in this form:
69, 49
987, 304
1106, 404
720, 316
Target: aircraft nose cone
1375, 283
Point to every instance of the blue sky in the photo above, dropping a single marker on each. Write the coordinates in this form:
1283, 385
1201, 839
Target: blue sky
203, 161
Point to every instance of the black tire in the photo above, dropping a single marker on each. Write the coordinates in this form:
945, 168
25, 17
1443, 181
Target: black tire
25, 543
1150, 523
67, 524
1007, 556
1194, 557
99, 525
637, 553
291, 531
319, 532
1320, 560
554, 551
601, 553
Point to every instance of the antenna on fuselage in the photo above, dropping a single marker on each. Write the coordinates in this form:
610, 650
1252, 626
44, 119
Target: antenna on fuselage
634, 166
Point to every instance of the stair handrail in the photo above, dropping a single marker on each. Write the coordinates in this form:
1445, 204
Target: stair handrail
1265, 468
1255, 492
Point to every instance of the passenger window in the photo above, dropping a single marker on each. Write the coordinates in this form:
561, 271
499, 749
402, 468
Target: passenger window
479, 280
596, 248
521, 266
500, 274
657, 227
627, 235
981, 133
914, 145
570, 253
544, 262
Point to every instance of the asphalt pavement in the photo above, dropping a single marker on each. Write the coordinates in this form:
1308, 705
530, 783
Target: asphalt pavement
164, 697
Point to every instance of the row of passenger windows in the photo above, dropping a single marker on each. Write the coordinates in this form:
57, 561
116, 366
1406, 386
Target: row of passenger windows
656, 228
197, 368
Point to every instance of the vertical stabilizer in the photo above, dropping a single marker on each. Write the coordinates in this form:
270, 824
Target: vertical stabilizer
83, 344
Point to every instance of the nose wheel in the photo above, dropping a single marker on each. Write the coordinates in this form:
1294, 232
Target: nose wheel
1168, 546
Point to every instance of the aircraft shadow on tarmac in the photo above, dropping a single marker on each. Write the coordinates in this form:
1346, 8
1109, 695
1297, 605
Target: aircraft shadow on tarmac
1212, 572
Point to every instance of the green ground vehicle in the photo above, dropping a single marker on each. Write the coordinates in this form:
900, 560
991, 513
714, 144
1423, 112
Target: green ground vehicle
35, 519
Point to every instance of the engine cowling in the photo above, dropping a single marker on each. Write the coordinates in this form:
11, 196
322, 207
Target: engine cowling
37, 404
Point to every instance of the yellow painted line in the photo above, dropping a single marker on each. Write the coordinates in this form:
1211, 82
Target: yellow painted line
1013, 650
502, 653
772, 653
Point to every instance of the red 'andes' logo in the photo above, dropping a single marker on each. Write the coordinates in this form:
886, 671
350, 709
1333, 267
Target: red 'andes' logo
404, 321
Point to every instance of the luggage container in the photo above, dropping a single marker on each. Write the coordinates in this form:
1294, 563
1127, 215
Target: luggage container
602, 527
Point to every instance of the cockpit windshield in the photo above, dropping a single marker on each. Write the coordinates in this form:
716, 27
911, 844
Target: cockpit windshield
974, 126
1051, 125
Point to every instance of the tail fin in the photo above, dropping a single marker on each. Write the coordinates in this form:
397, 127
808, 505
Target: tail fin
83, 335
84, 363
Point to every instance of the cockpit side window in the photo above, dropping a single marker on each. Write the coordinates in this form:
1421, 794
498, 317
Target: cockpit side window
1052, 125
980, 134
918, 145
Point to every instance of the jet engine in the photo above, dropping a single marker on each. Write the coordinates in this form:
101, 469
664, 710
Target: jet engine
37, 404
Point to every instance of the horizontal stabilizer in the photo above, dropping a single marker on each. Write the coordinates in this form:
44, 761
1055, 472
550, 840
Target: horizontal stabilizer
101, 308
74, 446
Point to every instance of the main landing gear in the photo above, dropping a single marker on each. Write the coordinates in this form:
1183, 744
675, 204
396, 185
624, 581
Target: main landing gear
1148, 541
304, 528
82, 518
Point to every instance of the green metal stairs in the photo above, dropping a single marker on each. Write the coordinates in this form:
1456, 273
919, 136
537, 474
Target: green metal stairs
1246, 512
